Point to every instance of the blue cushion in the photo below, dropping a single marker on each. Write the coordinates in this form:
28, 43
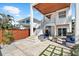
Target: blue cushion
70, 39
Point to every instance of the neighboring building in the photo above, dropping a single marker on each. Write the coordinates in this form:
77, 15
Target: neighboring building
56, 19
25, 23
5, 18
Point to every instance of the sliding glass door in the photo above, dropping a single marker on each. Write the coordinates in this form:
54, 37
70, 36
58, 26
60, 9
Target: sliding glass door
62, 31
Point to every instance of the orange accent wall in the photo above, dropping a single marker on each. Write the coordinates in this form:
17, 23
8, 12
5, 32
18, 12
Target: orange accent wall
17, 34
0, 35
20, 34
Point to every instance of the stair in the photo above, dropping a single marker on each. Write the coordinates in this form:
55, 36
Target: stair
39, 30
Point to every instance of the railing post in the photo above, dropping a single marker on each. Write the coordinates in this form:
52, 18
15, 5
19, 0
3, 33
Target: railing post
55, 28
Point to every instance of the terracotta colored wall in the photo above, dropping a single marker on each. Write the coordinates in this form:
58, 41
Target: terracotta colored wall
0, 35
17, 34
20, 34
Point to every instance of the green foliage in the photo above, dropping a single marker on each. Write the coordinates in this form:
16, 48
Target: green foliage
5, 22
8, 37
6, 26
75, 50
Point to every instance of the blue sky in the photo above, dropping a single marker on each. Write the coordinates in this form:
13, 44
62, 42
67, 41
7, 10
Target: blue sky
18, 10
73, 10
37, 14
22, 10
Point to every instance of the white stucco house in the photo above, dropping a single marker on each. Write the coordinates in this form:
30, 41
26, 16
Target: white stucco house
25, 23
56, 19
58, 24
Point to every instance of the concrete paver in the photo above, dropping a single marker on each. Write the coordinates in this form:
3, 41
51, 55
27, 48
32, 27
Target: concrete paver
28, 47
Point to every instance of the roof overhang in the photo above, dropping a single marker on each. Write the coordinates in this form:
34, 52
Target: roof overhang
46, 8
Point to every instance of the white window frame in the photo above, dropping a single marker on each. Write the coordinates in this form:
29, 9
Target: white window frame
62, 14
61, 31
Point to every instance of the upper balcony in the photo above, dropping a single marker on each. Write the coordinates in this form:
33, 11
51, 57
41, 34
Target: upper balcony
58, 17
49, 8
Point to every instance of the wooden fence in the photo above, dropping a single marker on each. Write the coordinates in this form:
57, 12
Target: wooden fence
17, 34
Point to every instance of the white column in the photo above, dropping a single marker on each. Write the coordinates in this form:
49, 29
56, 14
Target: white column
53, 18
77, 24
69, 18
55, 29
70, 26
31, 20
55, 25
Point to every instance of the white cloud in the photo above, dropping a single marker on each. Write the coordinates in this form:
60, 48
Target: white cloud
12, 10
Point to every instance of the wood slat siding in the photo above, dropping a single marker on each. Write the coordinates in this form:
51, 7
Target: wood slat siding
46, 8
17, 34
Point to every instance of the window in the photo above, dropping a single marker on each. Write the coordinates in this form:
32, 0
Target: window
62, 14
62, 32
59, 32
27, 21
23, 21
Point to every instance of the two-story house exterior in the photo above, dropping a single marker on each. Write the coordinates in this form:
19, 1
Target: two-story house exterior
59, 24
26, 23
56, 19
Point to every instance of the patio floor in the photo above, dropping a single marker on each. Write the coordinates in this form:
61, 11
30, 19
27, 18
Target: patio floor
52, 50
34, 47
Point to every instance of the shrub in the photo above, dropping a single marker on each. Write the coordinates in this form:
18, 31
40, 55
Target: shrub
8, 37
